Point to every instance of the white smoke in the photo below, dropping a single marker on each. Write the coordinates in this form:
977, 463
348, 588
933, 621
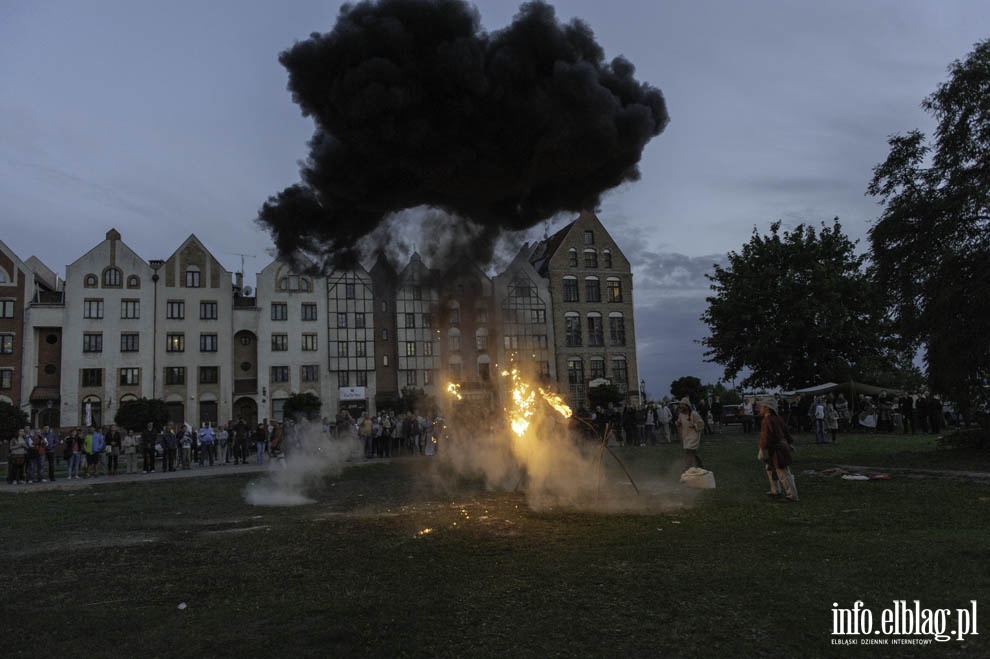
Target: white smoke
311, 455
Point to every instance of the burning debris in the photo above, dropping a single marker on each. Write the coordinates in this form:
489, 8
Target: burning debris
416, 106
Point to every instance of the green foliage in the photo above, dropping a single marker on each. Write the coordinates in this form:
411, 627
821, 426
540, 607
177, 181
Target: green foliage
604, 394
795, 308
135, 414
12, 419
299, 406
689, 387
931, 244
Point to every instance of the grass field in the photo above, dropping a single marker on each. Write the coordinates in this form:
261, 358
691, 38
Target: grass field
392, 562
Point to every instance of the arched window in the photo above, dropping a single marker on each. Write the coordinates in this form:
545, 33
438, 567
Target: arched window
90, 281
4, 277
607, 257
590, 258
572, 257
592, 289
596, 331
572, 329
112, 278
616, 328
571, 289
133, 281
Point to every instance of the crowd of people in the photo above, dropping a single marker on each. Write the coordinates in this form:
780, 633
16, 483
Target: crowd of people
41, 455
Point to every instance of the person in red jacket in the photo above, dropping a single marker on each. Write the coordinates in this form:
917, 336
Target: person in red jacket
776, 451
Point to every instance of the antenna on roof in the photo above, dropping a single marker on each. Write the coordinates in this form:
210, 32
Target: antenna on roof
243, 256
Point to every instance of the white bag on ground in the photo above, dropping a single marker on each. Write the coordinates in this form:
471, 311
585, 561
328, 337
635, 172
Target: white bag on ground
699, 478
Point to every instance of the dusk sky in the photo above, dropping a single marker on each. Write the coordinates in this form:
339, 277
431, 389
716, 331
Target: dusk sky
166, 119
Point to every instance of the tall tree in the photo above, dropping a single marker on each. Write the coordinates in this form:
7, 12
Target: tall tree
931, 244
135, 414
795, 308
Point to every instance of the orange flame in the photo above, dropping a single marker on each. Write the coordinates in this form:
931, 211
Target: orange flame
524, 403
455, 390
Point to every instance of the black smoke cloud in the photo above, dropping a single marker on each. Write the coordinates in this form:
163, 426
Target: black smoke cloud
415, 105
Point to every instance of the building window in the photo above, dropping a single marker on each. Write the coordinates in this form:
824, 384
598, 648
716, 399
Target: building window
592, 290
350, 290
427, 320
93, 342
175, 343
384, 306
112, 278
207, 310
410, 321
614, 288
590, 258
417, 292
342, 348
538, 316
427, 377
572, 258
130, 309
129, 342
92, 377
192, 278
130, 377
342, 320
620, 376
428, 348
481, 340
359, 320
343, 379
481, 314
361, 379
133, 281
280, 311
208, 342
175, 309
280, 342
575, 371
245, 339
6, 378
309, 342
310, 373
617, 329
410, 348
454, 342
175, 375
385, 360
360, 349
596, 332
308, 311
90, 281
384, 334
411, 378
7, 309
92, 308
589, 237
571, 289
7, 344
597, 369
607, 256
209, 374
455, 315
572, 330
280, 373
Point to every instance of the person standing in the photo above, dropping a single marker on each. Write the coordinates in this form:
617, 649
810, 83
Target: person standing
832, 421
240, 442
53, 448
690, 426
223, 439
650, 425
259, 442
148, 441
170, 446
664, 418
74, 451
128, 447
114, 446
17, 456
776, 451
817, 414
185, 444
206, 439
